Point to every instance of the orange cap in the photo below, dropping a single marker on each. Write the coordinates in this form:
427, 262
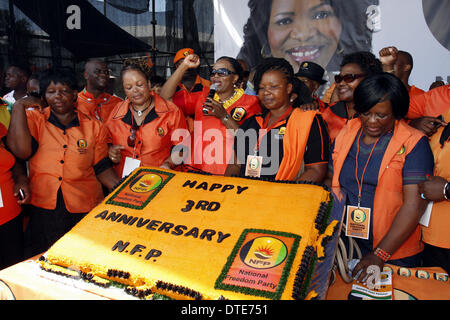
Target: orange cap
181, 54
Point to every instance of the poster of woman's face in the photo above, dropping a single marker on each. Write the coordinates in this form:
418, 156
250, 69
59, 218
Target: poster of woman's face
323, 31
305, 30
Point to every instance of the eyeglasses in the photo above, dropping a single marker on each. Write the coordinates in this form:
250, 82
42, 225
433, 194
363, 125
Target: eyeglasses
348, 77
131, 141
222, 72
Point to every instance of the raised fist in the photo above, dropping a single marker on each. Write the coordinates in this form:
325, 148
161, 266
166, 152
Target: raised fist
388, 56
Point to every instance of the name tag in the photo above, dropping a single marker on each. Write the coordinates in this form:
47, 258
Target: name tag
358, 222
253, 166
130, 165
425, 219
1, 199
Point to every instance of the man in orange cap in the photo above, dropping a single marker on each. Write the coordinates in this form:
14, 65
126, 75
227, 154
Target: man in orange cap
191, 86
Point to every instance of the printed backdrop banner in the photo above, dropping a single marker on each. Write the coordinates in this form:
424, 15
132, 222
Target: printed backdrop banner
324, 31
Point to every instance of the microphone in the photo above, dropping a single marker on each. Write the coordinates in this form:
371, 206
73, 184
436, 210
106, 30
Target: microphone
212, 92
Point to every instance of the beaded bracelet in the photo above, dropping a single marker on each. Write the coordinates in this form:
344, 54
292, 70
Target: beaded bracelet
383, 255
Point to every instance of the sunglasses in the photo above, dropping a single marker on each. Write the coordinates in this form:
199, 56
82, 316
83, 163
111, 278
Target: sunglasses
348, 77
222, 72
131, 141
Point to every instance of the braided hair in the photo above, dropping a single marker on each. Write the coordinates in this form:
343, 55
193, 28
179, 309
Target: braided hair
273, 64
138, 64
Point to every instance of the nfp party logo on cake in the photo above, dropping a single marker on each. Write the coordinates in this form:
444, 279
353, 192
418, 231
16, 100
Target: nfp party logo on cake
140, 188
259, 263
263, 253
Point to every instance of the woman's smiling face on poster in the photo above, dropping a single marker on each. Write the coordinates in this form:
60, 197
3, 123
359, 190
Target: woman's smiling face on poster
303, 30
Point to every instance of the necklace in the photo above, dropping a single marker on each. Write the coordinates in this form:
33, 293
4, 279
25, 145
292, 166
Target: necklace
237, 94
141, 112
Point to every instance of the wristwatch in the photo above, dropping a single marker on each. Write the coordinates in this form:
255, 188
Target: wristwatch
447, 191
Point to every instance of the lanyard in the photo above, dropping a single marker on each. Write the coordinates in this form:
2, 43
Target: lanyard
360, 183
267, 129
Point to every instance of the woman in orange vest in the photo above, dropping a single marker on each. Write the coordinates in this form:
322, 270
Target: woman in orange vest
143, 125
283, 142
354, 68
378, 160
67, 153
12, 179
437, 189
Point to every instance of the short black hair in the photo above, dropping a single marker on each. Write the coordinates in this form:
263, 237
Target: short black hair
64, 76
22, 66
273, 64
366, 60
408, 57
379, 88
235, 64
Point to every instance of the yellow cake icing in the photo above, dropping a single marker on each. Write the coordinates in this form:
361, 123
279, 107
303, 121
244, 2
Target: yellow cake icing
192, 236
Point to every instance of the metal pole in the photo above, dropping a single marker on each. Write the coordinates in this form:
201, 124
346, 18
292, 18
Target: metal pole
11, 32
154, 50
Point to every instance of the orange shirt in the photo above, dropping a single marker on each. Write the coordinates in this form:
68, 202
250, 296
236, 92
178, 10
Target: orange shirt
414, 91
67, 157
336, 117
432, 103
212, 142
187, 99
100, 107
10, 208
153, 142
437, 233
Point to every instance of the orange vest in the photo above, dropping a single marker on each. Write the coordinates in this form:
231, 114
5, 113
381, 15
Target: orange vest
294, 143
334, 122
437, 233
389, 192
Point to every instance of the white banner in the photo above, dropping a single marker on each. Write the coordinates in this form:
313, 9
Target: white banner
336, 27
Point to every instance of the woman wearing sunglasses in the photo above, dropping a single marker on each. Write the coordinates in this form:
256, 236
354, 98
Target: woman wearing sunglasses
142, 126
67, 154
354, 68
379, 160
283, 142
225, 107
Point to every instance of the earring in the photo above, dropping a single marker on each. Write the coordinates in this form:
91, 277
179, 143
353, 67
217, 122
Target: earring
265, 51
339, 49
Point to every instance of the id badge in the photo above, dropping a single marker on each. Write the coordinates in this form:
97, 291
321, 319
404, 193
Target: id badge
425, 219
130, 165
358, 222
253, 166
